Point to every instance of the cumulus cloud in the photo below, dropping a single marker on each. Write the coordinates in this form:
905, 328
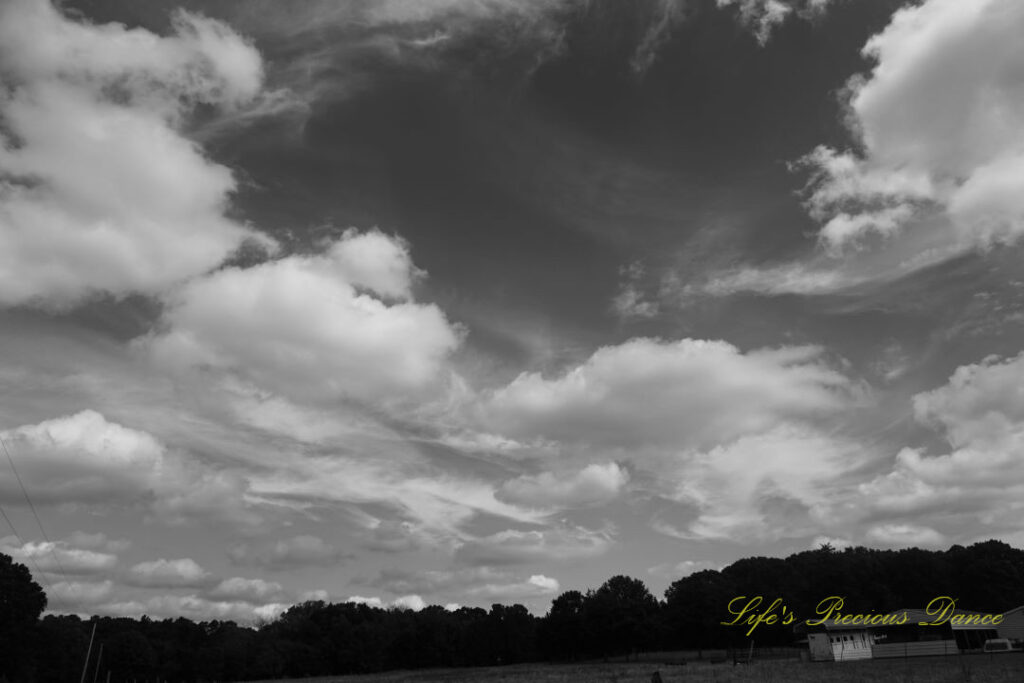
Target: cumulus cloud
192, 607
536, 586
58, 557
413, 602
939, 120
592, 485
161, 573
97, 541
775, 484
979, 481
86, 459
362, 600
101, 192
83, 457
688, 393
296, 551
403, 602
338, 324
735, 439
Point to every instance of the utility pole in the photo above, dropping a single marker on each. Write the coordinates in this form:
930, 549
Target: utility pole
99, 658
88, 652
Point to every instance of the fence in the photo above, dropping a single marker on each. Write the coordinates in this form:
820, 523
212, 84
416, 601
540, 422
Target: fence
923, 648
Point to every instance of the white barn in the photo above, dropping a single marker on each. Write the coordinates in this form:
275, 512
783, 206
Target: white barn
840, 645
1012, 626
902, 636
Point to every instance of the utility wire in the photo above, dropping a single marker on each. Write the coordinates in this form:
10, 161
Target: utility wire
24, 492
29, 557
50, 545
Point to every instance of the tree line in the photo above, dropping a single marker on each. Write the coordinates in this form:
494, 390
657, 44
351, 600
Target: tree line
621, 617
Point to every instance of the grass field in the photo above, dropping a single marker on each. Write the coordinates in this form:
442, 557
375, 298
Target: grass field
1006, 668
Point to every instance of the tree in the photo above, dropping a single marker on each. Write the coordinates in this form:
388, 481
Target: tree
620, 616
696, 605
21, 602
562, 634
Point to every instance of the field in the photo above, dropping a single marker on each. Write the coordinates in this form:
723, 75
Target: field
1006, 668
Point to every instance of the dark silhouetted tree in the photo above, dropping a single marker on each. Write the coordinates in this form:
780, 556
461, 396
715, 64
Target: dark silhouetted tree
22, 600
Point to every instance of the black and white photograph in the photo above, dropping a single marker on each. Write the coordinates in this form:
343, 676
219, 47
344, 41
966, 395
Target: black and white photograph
533, 341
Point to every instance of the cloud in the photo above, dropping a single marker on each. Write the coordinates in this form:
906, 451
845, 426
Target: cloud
86, 459
181, 573
593, 485
101, 191
681, 569
536, 586
83, 458
392, 536
979, 482
939, 121
253, 591
433, 500
58, 557
361, 600
192, 607
97, 541
313, 327
413, 602
911, 535
511, 547
763, 16
288, 553
667, 16
687, 393
317, 595
481, 583
630, 302
787, 278
738, 441
78, 594
776, 484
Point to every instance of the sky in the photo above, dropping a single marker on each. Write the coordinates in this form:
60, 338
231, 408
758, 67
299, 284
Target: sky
460, 302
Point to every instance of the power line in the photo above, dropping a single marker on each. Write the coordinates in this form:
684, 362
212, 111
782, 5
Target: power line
24, 492
29, 557
52, 547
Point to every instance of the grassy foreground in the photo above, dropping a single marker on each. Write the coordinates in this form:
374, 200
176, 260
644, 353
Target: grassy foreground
1007, 668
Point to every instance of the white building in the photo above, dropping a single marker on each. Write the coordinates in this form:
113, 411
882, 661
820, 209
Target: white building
840, 645
1012, 626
